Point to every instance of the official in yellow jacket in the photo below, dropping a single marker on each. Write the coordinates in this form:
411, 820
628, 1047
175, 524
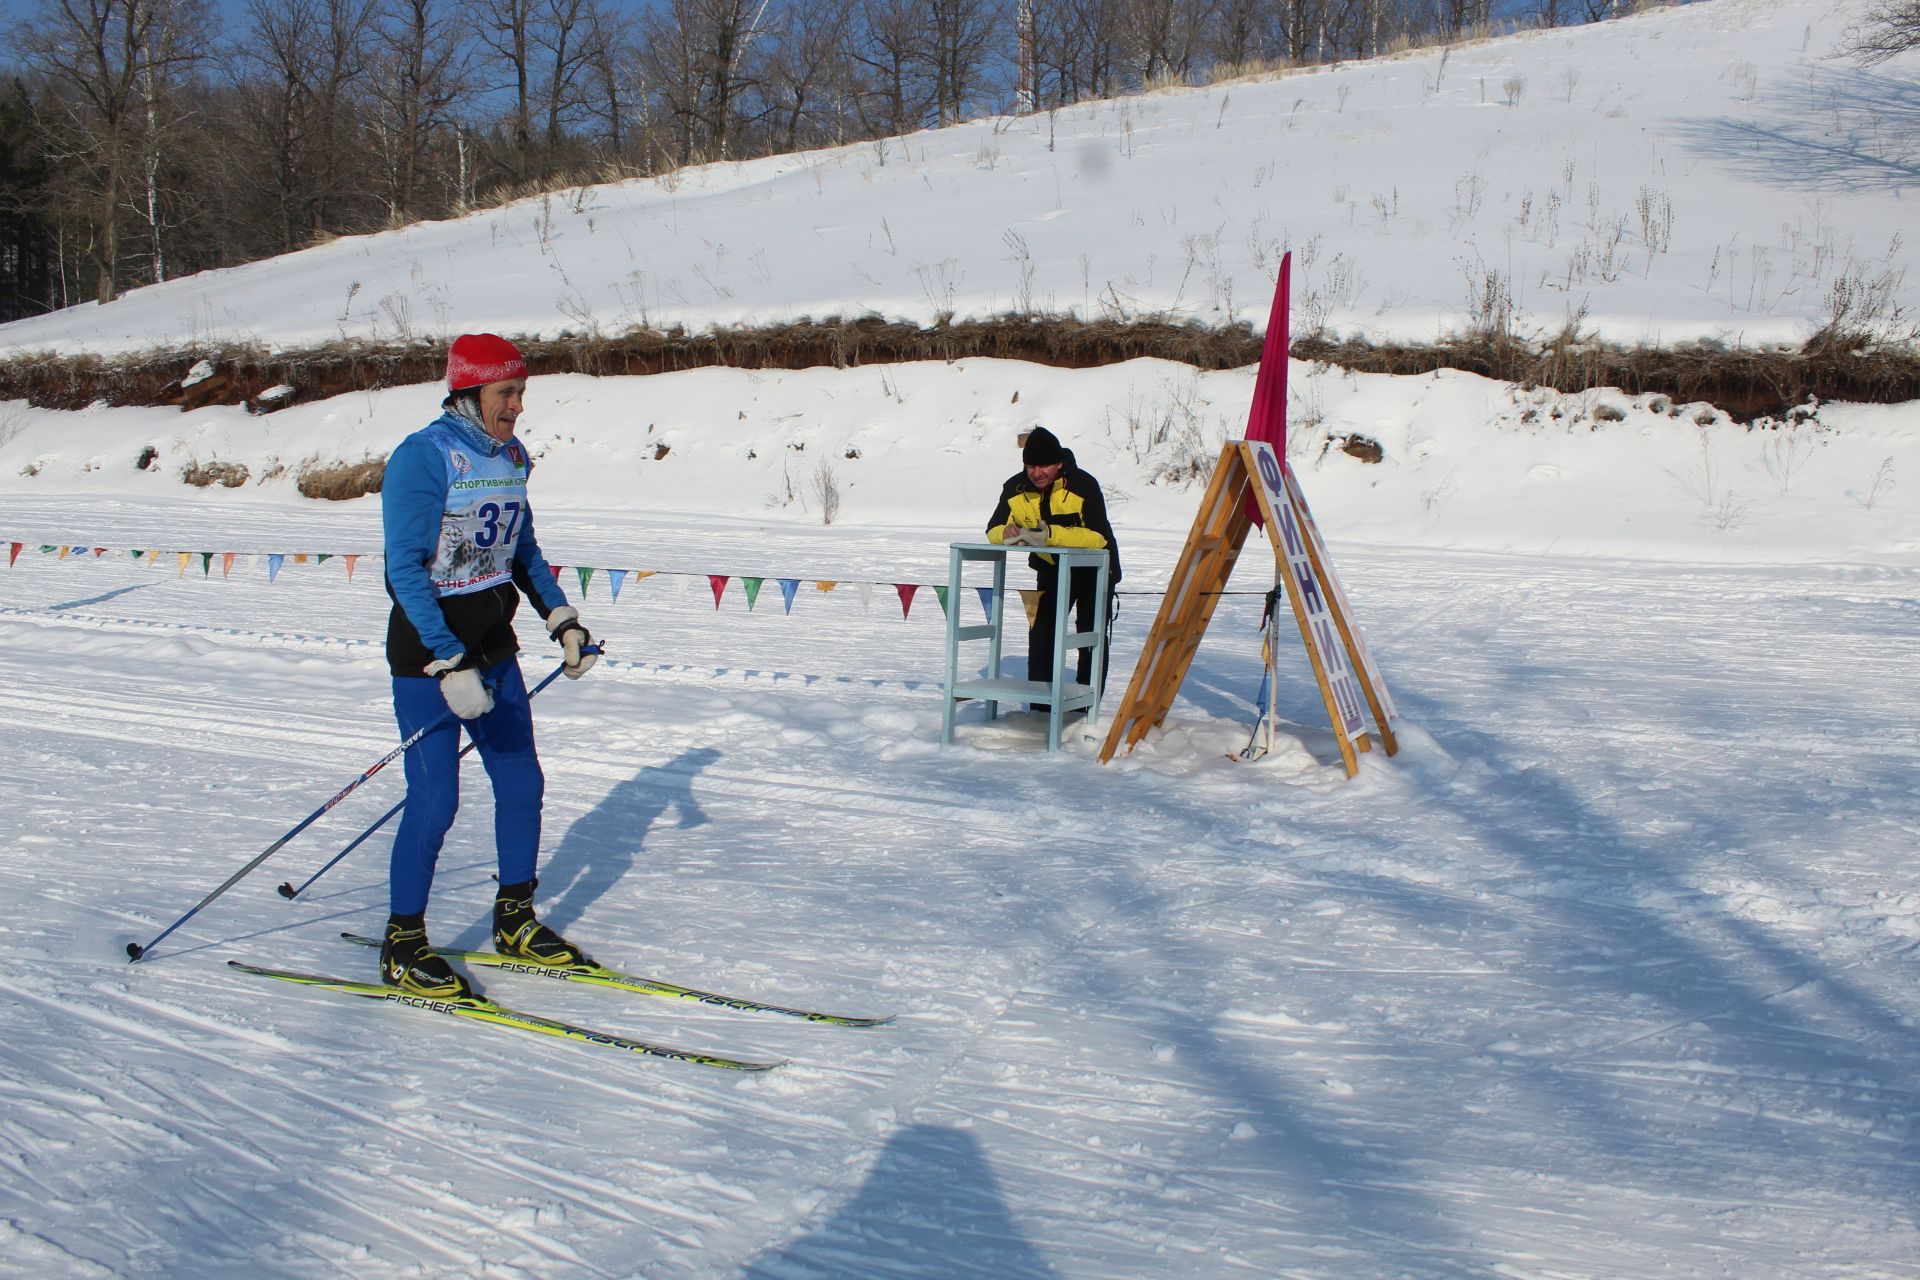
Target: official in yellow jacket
1053, 503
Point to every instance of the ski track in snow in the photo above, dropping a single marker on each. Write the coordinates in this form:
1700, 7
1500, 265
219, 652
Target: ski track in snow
1622, 943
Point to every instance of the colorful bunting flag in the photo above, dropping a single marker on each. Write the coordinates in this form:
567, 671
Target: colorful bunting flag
323, 557
226, 564
586, 576
719, 581
98, 552
787, 587
274, 561
752, 586
986, 600
206, 564
350, 564
299, 557
614, 578
13, 553
906, 590
63, 553
826, 584
941, 593
186, 558
1030, 601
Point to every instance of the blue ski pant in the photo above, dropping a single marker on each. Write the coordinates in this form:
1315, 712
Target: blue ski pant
504, 739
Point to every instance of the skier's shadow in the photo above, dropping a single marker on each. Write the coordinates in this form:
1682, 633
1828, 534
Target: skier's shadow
931, 1204
599, 848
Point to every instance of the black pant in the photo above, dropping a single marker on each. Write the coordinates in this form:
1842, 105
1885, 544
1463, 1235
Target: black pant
1080, 604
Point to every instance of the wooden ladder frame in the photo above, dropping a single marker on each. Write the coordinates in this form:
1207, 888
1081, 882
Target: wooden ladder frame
1250, 477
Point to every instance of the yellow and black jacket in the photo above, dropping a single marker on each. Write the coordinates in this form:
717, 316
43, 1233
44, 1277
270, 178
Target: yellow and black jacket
1073, 510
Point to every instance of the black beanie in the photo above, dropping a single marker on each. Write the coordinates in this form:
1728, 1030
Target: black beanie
1042, 449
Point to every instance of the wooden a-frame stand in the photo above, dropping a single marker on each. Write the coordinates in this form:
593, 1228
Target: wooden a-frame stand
1248, 473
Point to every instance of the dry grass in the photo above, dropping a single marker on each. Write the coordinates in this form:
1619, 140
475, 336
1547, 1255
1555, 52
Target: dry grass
1747, 383
340, 481
200, 475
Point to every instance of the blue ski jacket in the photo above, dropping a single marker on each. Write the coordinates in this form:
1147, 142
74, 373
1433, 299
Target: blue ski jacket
460, 547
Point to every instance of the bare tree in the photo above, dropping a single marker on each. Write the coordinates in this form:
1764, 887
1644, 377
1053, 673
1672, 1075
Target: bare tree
112, 64
957, 42
419, 70
296, 72
807, 76
1889, 28
703, 59
883, 43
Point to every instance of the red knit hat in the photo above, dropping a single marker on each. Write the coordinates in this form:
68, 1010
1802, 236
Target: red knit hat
476, 359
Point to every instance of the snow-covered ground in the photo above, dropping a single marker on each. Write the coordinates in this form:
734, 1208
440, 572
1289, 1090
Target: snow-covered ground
1610, 972
1613, 971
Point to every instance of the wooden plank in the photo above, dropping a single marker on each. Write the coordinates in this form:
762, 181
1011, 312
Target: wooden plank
1193, 592
1338, 688
1371, 682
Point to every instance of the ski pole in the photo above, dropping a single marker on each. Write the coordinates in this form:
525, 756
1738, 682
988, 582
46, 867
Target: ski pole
135, 951
287, 890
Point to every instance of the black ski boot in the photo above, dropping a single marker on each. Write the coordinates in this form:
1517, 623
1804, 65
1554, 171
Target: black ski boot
516, 933
409, 962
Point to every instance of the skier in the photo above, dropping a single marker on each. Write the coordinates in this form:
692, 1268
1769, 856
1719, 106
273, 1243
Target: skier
1051, 502
459, 541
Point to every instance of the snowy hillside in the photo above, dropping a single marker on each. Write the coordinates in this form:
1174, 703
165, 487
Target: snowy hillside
1613, 971
1704, 172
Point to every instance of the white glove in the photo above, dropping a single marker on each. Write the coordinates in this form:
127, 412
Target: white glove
464, 691
1030, 537
564, 625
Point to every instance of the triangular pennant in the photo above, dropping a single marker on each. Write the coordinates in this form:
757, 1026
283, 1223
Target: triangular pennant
719, 581
206, 564
299, 557
586, 576
1030, 601
253, 562
323, 557
787, 587
274, 561
351, 560
135, 554
640, 575
941, 594
226, 564
752, 586
49, 549
986, 600
680, 581
186, 558
614, 578
98, 552
13, 553
826, 584
63, 553
866, 597
906, 590
556, 569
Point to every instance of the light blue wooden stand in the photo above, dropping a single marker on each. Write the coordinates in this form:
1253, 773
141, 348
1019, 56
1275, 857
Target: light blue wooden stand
1060, 694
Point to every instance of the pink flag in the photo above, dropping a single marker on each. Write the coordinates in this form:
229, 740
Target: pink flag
1267, 419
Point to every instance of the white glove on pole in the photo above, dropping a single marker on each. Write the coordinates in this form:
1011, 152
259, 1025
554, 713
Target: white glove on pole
564, 625
464, 691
